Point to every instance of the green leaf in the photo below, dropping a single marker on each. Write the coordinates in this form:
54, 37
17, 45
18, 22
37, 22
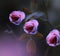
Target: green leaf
37, 15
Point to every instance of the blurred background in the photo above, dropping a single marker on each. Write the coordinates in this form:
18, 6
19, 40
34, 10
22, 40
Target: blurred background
9, 33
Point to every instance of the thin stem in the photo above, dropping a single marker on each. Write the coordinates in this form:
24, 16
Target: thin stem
47, 51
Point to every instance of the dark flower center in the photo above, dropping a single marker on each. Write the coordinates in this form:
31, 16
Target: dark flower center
29, 28
53, 40
14, 18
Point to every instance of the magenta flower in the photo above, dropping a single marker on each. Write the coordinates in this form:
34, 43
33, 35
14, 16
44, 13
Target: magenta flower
16, 17
31, 26
53, 38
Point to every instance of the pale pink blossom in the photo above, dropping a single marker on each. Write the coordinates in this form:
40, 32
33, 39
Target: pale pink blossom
16, 17
53, 38
31, 26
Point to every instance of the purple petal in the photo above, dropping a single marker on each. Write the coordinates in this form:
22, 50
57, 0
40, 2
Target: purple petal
31, 26
16, 17
52, 38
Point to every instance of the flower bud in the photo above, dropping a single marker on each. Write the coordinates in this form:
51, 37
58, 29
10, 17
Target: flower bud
53, 38
31, 26
16, 17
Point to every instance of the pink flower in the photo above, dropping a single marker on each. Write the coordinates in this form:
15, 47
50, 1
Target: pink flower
16, 17
31, 26
53, 38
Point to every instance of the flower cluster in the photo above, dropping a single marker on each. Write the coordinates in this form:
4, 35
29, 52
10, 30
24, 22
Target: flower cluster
31, 27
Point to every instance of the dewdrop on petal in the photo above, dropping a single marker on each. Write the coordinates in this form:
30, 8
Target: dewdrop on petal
53, 38
31, 26
16, 17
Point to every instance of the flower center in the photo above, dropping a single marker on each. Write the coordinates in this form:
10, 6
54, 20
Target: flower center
53, 40
14, 18
29, 28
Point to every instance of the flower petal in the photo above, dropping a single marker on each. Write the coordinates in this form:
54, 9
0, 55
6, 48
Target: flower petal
52, 38
16, 17
31, 26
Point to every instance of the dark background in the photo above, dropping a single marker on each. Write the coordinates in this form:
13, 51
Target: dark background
7, 6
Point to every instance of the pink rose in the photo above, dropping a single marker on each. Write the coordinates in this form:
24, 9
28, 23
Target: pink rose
16, 17
53, 38
31, 26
